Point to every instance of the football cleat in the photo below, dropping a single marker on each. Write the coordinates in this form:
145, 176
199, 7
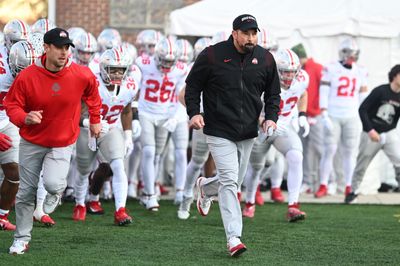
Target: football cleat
51, 202
203, 202
121, 217
19, 247
249, 210
350, 198
236, 247
94, 207
5, 224
347, 190
276, 195
322, 191
44, 219
294, 214
79, 213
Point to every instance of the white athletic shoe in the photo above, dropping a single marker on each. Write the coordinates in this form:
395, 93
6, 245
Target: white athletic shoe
332, 188
184, 208
51, 202
235, 247
150, 202
19, 247
203, 202
132, 192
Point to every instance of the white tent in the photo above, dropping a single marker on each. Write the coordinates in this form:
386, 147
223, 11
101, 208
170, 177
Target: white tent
319, 25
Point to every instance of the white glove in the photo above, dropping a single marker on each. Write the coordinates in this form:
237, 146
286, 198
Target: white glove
136, 129
105, 127
263, 136
92, 142
303, 123
326, 121
128, 142
171, 124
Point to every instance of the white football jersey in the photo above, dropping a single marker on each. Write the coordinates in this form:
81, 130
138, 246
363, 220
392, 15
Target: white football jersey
112, 105
6, 79
290, 98
157, 89
345, 84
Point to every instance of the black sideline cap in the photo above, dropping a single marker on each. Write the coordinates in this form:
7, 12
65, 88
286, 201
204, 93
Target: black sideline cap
245, 22
58, 37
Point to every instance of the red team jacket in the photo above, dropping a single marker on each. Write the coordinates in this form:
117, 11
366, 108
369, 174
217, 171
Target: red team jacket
59, 95
314, 70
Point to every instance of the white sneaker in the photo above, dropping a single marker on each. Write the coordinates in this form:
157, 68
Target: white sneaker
178, 197
332, 188
203, 202
150, 202
19, 247
132, 192
51, 202
235, 247
184, 208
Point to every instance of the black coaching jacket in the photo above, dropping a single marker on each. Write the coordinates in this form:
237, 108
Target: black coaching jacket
232, 90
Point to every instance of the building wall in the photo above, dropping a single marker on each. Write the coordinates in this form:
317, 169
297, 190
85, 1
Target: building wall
127, 16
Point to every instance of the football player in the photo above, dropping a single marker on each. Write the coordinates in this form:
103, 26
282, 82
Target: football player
285, 139
343, 86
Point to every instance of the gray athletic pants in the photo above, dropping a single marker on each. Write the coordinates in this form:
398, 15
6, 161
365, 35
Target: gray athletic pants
367, 151
231, 160
313, 146
32, 158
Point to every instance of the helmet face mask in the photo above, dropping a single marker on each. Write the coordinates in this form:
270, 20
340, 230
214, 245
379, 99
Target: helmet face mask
15, 31
349, 51
114, 66
185, 51
22, 54
288, 65
85, 48
165, 55
147, 41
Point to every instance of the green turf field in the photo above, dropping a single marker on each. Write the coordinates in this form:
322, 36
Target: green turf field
331, 235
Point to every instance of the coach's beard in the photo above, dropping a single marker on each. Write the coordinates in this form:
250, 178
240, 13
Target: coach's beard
248, 48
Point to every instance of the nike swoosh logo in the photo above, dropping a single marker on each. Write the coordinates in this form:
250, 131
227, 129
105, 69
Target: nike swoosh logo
227, 60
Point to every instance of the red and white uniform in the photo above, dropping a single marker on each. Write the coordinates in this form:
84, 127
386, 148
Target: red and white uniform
111, 144
157, 89
7, 128
345, 84
285, 139
342, 102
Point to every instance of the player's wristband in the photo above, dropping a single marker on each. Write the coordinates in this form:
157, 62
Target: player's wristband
135, 115
303, 114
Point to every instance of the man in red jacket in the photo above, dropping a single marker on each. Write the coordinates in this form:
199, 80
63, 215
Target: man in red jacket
45, 102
